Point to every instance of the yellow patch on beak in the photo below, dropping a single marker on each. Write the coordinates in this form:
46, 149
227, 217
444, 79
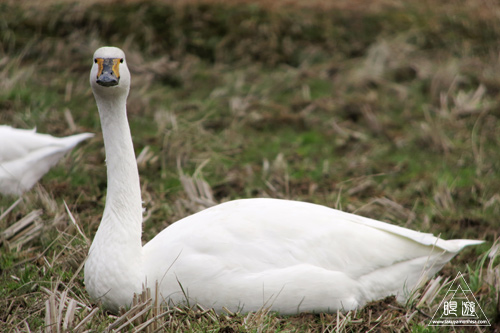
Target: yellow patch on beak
99, 62
106, 63
116, 67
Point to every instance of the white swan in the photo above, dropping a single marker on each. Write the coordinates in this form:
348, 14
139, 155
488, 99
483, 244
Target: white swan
244, 254
25, 156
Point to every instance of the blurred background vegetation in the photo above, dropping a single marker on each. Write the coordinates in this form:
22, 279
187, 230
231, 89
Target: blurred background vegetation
388, 109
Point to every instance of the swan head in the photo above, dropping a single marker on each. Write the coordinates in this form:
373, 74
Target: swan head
109, 75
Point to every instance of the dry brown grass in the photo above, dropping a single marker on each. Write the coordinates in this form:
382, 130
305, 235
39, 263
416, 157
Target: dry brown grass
389, 110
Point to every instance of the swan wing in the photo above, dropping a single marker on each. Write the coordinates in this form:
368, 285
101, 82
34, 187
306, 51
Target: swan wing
319, 257
27, 156
17, 143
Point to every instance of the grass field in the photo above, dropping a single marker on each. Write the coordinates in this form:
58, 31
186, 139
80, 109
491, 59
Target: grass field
391, 111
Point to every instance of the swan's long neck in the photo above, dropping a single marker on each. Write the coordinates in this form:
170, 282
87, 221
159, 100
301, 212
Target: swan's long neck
123, 201
114, 266
119, 234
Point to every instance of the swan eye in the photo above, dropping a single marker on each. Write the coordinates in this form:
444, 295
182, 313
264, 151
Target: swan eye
95, 61
121, 61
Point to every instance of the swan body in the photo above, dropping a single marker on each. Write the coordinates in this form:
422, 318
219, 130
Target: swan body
25, 156
245, 254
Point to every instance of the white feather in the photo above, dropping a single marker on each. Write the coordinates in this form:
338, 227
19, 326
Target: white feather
245, 254
25, 156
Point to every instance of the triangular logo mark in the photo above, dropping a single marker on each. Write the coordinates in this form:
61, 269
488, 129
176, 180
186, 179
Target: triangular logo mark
459, 307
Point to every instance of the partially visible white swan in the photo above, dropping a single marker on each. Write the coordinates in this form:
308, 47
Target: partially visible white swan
245, 254
25, 156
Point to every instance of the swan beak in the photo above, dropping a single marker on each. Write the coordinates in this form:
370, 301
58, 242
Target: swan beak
108, 73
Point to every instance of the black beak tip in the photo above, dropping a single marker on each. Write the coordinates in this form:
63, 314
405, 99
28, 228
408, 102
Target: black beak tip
107, 81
